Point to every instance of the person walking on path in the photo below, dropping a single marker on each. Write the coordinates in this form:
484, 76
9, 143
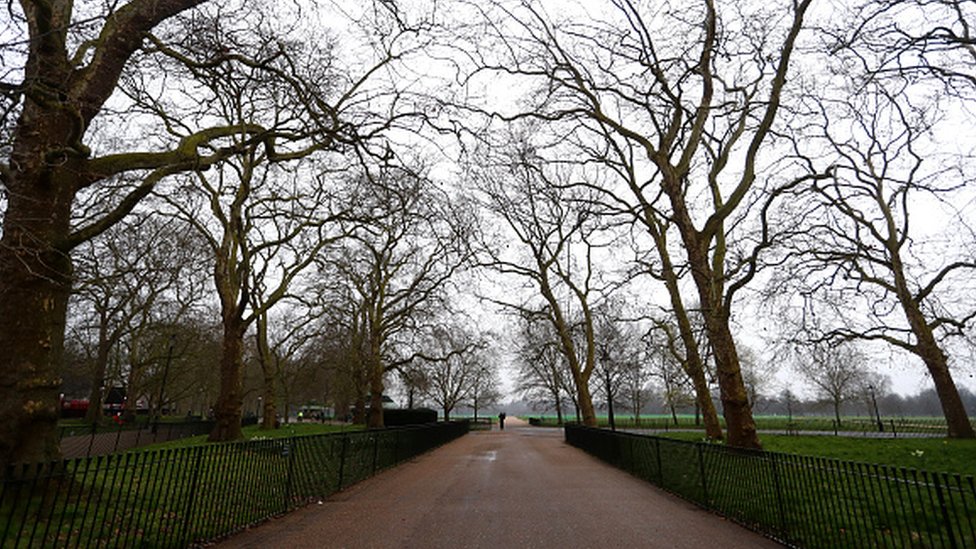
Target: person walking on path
501, 421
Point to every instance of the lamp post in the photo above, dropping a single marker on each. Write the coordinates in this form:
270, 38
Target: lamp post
877, 414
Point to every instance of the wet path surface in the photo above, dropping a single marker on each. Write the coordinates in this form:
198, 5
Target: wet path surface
522, 487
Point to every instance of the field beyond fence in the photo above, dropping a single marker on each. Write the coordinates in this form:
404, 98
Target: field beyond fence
803, 501
185, 496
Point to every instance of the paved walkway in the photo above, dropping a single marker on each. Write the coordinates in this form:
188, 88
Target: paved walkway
519, 488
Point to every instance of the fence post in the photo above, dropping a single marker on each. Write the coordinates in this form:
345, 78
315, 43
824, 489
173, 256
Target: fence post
292, 449
342, 460
118, 435
777, 484
188, 513
946, 520
376, 444
660, 470
91, 441
701, 469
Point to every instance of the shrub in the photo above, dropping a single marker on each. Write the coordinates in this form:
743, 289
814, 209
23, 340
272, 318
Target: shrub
395, 417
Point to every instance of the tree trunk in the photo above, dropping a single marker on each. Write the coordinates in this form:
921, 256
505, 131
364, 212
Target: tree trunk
375, 361
953, 408
270, 413
96, 397
585, 411
230, 402
735, 403
928, 349
613, 423
693, 364
35, 282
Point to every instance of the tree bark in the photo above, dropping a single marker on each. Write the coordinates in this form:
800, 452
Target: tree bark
35, 282
269, 414
739, 422
96, 397
693, 364
927, 348
584, 409
48, 165
375, 362
229, 404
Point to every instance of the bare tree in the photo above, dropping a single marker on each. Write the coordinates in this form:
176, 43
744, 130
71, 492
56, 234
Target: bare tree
545, 222
136, 273
837, 373
58, 141
671, 380
398, 264
460, 367
862, 243
542, 373
485, 384
695, 105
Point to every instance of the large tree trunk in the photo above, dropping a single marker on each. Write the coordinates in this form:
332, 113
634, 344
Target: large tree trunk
231, 400
34, 288
928, 349
35, 282
937, 364
269, 413
48, 164
375, 361
693, 364
585, 411
952, 406
735, 402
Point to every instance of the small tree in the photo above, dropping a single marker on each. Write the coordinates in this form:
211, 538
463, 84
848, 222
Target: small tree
837, 373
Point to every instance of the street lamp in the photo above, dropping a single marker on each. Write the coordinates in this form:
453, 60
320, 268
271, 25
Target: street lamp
877, 414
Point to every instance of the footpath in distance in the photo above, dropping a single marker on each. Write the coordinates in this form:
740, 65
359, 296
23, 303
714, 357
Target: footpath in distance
521, 487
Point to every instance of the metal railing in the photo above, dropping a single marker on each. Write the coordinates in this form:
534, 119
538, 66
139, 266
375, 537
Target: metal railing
799, 500
887, 427
187, 496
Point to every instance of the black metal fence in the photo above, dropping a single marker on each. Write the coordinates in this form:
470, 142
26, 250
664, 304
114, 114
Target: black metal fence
802, 501
884, 427
97, 439
186, 496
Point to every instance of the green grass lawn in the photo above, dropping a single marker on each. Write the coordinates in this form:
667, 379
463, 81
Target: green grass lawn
928, 454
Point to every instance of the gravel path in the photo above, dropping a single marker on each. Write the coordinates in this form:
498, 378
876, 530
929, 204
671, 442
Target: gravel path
519, 488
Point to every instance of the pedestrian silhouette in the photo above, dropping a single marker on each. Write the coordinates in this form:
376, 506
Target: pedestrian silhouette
501, 421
